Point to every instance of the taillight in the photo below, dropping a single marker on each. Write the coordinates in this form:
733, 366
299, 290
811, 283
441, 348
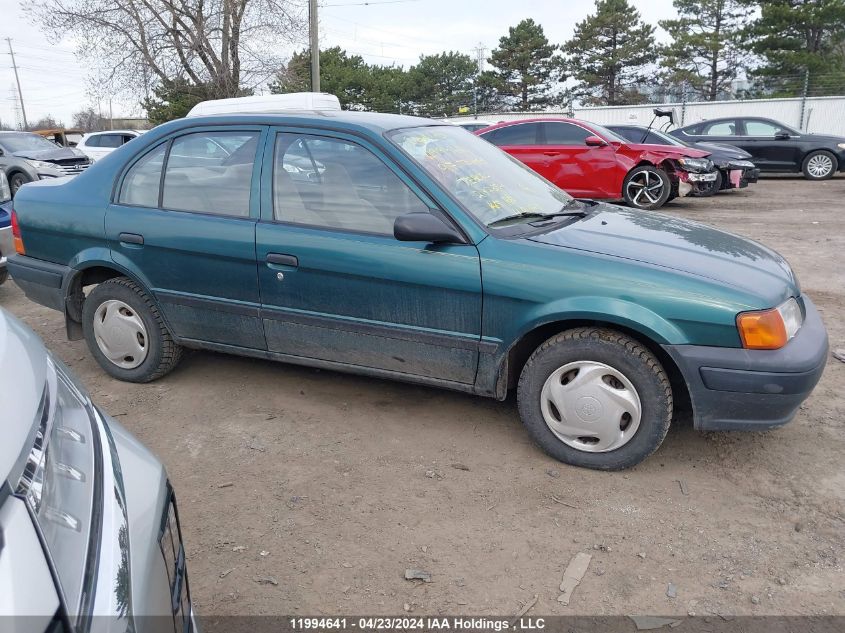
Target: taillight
16, 234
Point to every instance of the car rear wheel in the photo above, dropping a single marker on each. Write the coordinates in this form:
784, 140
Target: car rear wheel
16, 181
596, 398
819, 165
646, 187
126, 333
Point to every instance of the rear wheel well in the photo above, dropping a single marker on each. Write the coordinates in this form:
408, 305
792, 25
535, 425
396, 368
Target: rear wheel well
520, 352
76, 291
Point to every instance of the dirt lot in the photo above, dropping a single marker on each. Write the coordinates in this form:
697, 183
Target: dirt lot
340, 483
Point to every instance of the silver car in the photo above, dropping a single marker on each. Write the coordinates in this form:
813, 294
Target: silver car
89, 532
26, 157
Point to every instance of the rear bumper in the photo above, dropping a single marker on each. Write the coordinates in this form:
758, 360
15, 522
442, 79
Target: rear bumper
734, 389
41, 281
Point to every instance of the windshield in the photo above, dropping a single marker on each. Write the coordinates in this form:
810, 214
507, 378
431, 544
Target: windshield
656, 137
485, 180
24, 142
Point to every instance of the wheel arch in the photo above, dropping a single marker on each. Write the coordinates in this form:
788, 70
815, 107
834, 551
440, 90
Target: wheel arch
517, 354
92, 272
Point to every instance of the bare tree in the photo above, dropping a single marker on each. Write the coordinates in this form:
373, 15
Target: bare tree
89, 119
225, 46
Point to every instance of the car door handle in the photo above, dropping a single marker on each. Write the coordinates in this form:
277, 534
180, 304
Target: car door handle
282, 259
131, 238
550, 153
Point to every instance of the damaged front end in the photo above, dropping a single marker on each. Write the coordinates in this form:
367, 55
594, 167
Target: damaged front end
696, 176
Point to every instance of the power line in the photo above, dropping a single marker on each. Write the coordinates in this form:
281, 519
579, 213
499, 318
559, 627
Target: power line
367, 4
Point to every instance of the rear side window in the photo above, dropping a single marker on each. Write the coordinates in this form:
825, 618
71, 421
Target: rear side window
141, 184
521, 134
210, 172
110, 140
92, 141
720, 128
564, 134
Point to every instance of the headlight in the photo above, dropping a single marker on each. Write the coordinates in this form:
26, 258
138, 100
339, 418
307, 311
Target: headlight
41, 164
770, 329
58, 481
696, 164
743, 164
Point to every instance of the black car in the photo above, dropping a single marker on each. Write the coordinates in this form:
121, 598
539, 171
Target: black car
773, 146
734, 165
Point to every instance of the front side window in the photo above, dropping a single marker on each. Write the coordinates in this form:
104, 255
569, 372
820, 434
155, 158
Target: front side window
141, 184
756, 127
337, 184
210, 172
486, 181
565, 134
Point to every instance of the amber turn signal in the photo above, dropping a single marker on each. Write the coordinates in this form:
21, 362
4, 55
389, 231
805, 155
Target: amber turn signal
770, 329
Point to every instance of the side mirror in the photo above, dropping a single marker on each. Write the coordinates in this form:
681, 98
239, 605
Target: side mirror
425, 227
781, 135
595, 141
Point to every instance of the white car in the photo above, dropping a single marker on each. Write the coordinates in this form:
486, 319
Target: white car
98, 144
473, 125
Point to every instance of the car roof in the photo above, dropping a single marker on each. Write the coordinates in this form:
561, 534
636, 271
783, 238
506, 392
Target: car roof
87, 134
340, 119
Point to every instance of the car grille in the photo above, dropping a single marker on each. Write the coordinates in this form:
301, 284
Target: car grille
72, 169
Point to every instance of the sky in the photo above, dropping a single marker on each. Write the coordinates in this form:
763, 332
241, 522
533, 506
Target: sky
55, 82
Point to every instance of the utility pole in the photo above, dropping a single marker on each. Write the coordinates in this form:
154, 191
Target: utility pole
480, 51
315, 46
18, 81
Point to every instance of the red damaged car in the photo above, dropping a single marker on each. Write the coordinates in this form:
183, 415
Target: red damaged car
589, 161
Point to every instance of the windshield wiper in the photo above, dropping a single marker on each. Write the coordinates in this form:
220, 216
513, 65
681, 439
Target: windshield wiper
543, 216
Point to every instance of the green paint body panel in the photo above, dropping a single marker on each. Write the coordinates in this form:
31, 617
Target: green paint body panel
442, 314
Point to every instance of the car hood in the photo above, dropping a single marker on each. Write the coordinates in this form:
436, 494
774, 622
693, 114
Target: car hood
23, 371
723, 150
51, 155
678, 244
669, 151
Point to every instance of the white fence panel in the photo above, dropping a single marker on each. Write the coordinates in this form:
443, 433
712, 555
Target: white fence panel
823, 115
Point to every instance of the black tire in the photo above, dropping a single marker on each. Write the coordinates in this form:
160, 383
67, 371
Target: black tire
4, 275
163, 353
827, 157
714, 187
635, 196
624, 355
16, 181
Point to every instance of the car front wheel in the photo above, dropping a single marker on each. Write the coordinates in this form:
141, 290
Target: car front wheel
596, 398
646, 187
819, 165
126, 333
16, 181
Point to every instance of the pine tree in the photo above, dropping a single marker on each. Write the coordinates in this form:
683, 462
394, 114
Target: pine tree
527, 67
440, 84
610, 53
706, 50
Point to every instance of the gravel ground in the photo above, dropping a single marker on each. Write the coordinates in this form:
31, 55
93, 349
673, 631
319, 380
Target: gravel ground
340, 483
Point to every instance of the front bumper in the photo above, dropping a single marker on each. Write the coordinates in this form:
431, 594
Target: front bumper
695, 183
735, 389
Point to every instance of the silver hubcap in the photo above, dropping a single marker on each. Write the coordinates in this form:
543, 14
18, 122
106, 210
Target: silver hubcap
820, 166
591, 406
644, 188
120, 334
